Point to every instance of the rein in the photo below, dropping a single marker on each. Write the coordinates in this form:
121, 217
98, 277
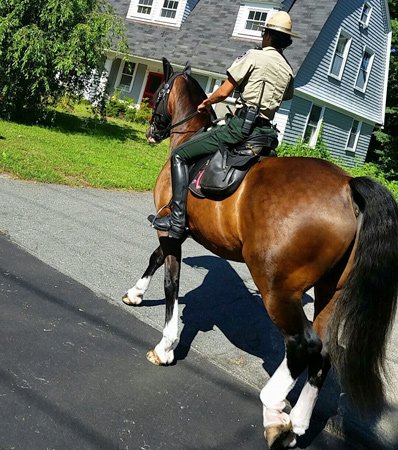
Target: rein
191, 116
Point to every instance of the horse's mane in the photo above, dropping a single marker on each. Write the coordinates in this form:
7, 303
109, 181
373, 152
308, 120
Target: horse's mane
201, 93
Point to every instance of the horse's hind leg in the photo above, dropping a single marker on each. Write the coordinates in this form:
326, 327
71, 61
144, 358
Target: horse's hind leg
283, 303
319, 365
135, 295
163, 353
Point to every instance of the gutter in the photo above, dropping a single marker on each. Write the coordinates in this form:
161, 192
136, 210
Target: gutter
144, 60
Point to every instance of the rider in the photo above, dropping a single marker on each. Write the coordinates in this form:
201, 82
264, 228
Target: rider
259, 71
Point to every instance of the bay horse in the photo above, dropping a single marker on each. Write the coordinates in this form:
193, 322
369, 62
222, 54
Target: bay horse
297, 223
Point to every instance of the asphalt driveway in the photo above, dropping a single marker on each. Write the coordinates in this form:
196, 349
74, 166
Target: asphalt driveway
101, 240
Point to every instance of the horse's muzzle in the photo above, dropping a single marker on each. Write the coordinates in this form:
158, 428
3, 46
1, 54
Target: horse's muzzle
152, 135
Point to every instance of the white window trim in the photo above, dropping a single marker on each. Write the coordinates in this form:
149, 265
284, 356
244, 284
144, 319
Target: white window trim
345, 56
369, 50
240, 31
119, 76
155, 16
315, 137
354, 148
363, 24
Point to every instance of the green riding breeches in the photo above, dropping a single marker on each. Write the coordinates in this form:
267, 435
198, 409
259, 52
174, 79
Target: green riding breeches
208, 142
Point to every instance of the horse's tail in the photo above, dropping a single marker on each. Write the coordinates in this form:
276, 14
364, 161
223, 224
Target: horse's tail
365, 310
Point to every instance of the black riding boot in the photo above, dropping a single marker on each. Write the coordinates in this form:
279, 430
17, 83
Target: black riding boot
175, 222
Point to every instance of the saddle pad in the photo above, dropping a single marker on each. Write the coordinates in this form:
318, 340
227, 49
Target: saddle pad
195, 174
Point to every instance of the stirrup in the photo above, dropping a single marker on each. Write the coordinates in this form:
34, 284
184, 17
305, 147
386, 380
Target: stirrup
153, 217
160, 223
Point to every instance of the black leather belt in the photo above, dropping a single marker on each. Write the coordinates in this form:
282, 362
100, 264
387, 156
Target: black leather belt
260, 121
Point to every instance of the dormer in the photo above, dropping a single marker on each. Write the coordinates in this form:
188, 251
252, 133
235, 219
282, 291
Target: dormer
252, 16
168, 13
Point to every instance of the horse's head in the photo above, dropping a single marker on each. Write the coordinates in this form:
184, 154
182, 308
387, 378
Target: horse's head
161, 120
165, 112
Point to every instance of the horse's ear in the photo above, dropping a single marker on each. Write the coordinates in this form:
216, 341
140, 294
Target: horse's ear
167, 69
187, 68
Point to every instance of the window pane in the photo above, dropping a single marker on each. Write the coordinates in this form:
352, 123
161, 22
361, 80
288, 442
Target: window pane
309, 134
365, 61
129, 68
353, 134
341, 44
255, 20
315, 114
169, 9
144, 6
127, 75
364, 70
361, 79
313, 121
365, 14
336, 65
125, 82
339, 55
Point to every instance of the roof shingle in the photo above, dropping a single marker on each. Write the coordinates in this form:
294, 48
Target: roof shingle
205, 38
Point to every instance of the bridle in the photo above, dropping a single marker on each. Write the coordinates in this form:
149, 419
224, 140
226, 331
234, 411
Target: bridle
160, 125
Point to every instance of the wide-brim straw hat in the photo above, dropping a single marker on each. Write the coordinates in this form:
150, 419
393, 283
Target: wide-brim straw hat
281, 22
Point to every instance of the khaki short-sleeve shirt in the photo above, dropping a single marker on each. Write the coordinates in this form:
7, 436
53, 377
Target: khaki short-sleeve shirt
255, 66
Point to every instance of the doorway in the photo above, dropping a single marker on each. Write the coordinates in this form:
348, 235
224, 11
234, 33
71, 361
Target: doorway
154, 80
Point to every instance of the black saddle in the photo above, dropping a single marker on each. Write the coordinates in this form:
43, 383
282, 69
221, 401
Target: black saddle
219, 175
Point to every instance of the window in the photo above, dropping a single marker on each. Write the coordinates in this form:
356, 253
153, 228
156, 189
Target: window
353, 136
364, 70
365, 16
169, 9
256, 20
311, 132
340, 56
252, 16
126, 76
144, 7
170, 13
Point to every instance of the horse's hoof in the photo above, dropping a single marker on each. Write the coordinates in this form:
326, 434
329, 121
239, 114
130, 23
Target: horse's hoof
132, 300
280, 436
152, 357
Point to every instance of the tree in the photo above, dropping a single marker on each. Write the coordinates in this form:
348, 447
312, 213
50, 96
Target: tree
51, 47
384, 145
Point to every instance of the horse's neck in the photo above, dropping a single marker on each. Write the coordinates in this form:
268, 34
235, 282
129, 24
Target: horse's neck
184, 102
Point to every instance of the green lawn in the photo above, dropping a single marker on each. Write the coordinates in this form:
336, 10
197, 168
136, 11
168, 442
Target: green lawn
75, 149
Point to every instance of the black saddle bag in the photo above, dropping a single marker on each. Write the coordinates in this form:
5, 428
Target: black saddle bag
227, 168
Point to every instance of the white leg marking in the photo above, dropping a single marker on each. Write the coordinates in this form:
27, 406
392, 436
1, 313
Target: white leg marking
136, 293
165, 348
274, 394
301, 414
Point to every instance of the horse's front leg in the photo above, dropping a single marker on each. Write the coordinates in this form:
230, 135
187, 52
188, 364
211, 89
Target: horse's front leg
135, 295
163, 353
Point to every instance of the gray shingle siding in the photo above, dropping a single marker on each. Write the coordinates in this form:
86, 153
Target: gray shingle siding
189, 8
205, 38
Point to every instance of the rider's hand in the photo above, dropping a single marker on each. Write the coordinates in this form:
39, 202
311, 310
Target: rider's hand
204, 106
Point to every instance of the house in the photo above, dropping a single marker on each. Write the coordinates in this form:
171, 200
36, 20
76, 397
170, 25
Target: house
341, 63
